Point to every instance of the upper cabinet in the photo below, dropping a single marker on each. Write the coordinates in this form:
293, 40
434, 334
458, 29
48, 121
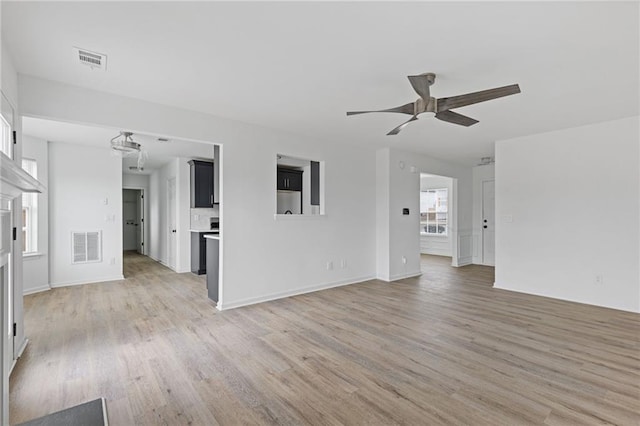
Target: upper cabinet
289, 180
202, 189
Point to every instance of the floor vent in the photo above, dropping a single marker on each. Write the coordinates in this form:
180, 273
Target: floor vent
86, 246
91, 59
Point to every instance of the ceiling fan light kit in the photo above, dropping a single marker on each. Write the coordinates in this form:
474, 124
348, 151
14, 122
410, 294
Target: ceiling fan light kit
125, 146
125, 143
441, 107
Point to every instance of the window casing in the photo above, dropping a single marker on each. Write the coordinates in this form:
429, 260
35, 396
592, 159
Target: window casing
30, 211
434, 211
6, 124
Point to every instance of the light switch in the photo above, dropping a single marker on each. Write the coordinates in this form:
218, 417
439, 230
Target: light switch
507, 218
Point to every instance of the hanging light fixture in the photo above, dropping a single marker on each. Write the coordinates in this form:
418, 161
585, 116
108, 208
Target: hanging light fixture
125, 144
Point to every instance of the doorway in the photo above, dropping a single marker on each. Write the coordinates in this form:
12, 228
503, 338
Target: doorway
133, 220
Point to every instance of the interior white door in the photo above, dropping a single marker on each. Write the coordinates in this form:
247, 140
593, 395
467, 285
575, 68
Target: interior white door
140, 242
488, 222
171, 221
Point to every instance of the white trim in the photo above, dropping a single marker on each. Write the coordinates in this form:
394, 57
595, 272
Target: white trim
97, 280
104, 412
32, 255
397, 277
39, 289
15, 361
298, 216
282, 294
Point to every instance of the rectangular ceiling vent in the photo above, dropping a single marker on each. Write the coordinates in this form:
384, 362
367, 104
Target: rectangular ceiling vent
91, 59
86, 246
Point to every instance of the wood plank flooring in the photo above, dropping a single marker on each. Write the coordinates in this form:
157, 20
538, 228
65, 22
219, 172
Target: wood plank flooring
443, 348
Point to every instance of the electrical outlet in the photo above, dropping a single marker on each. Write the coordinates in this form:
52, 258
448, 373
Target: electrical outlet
105, 201
329, 265
599, 279
196, 217
404, 260
343, 263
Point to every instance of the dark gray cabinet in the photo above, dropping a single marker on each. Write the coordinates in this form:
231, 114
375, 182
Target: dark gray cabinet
213, 267
199, 252
315, 183
202, 191
289, 180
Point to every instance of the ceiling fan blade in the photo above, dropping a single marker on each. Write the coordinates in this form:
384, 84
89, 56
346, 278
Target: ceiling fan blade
476, 97
421, 83
455, 118
400, 127
404, 109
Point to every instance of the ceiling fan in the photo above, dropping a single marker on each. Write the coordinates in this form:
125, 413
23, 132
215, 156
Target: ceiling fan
441, 107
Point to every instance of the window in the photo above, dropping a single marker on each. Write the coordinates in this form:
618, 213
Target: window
30, 211
434, 211
6, 121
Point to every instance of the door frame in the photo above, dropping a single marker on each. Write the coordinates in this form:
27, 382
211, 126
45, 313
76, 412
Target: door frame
145, 225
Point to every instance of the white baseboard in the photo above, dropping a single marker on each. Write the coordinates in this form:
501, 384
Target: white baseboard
38, 289
549, 296
83, 282
282, 294
404, 275
464, 261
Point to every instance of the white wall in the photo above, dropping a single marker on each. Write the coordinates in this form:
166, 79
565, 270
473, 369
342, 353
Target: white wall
437, 244
567, 208
263, 258
36, 266
158, 211
177, 168
480, 175
80, 179
398, 180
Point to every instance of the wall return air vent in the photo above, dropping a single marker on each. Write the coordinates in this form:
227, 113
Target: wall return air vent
86, 247
91, 59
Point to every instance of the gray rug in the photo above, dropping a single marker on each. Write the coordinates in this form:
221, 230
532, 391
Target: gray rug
92, 413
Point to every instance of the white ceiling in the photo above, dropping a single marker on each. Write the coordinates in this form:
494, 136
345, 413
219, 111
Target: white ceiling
158, 153
300, 65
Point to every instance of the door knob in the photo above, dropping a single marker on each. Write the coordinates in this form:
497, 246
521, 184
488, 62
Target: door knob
485, 227
485, 221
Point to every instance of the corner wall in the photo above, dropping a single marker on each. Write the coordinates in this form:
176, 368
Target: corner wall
567, 208
399, 171
81, 178
36, 267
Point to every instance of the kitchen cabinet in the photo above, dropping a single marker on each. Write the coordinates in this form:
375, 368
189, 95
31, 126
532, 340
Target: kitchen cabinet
199, 252
202, 190
315, 183
213, 267
289, 180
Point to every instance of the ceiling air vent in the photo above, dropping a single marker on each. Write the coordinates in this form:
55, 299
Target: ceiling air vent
91, 59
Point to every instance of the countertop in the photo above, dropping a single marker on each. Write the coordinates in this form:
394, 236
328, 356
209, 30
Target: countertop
213, 236
204, 230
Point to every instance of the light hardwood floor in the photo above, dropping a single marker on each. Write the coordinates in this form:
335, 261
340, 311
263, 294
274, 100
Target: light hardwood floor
443, 348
